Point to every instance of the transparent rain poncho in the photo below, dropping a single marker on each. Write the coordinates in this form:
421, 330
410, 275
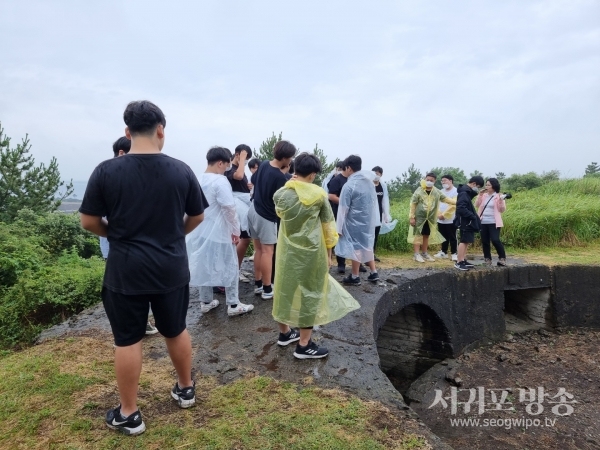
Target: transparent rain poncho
212, 256
242, 205
304, 294
387, 224
358, 215
327, 179
424, 208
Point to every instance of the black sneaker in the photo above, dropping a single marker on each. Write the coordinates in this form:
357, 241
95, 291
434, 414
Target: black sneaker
130, 425
287, 339
362, 269
341, 269
311, 351
461, 266
185, 397
351, 280
468, 264
374, 277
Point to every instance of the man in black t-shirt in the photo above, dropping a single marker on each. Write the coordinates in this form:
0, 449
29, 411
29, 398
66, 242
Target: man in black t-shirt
262, 219
335, 188
241, 192
151, 202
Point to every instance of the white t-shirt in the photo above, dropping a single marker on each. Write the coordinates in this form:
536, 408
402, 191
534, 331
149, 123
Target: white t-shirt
452, 193
488, 216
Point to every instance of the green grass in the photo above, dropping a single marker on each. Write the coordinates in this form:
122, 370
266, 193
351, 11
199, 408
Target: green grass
559, 214
55, 395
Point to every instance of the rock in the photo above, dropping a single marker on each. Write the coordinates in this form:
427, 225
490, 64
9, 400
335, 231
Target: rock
505, 347
502, 357
510, 337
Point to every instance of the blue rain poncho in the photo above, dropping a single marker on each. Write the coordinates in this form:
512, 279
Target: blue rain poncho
304, 294
242, 205
387, 224
358, 215
424, 208
211, 254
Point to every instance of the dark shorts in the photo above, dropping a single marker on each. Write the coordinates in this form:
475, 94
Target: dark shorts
425, 231
128, 314
244, 235
467, 237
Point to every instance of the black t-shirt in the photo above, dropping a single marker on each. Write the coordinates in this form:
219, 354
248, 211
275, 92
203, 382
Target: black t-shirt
379, 191
144, 198
237, 185
267, 180
335, 187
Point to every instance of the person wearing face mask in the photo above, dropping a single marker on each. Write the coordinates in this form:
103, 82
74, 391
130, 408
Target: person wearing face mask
445, 220
339, 167
467, 220
424, 206
490, 206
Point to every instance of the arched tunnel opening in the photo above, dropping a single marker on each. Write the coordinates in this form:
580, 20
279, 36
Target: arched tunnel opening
410, 342
528, 309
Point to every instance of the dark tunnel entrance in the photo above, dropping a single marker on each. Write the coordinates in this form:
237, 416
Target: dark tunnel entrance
410, 342
528, 309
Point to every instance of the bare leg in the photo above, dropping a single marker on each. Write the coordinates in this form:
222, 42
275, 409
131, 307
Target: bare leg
371, 265
417, 248
257, 259
180, 351
355, 268
305, 334
425, 244
128, 366
283, 328
462, 251
266, 263
241, 250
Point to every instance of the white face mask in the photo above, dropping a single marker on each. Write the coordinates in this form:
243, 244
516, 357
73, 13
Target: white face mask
377, 178
429, 183
446, 186
475, 188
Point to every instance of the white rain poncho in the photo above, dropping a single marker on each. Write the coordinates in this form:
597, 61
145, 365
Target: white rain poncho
387, 224
327, 179
242, 205
304, 293
358, 215
211, 254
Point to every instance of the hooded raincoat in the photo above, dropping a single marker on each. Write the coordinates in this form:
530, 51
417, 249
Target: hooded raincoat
304, 294
387, 224
212, 256
424, 208
358, 215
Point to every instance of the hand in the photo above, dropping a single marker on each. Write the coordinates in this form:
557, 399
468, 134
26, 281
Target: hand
243, 155
441, 217
250, 186
413, 222
235, 239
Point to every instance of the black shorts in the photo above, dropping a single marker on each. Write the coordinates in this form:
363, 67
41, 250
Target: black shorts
244, 235
425, 231
128, 314
467, 237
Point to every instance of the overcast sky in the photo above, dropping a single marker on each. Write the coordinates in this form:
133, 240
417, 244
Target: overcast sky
508, 86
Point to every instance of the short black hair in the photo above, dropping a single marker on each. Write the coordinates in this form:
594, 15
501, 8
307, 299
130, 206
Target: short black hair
241, 147
432, 175
495, 184
339, 165
354, 162
283, 150
448, 177
142, 117
216, 154
477, 179
291, 169
307, 163
254, 162
121, 144
377, 169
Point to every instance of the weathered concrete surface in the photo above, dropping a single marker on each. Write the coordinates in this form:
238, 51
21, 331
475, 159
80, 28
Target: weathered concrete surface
460, 309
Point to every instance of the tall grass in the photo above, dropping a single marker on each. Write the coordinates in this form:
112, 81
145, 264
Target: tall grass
561, 213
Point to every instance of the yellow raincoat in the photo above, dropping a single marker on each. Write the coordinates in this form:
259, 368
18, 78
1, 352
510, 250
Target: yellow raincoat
304, 294
424, 208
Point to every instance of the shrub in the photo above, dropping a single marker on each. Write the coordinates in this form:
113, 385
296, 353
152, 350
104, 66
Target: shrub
48, 296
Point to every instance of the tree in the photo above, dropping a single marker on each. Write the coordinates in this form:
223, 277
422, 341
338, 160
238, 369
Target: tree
265, 151
553, 175
25, 185
325, 166
476, 173
458, 175
592, 169
523, 182
406, 184
500, 176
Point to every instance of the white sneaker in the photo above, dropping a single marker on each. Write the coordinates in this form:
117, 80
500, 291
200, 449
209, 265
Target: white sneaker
150, 329
267, 295
243, 279
427, 257
440, 254
206, 307
418, 258
258, 290
251, 258
239, 309
454, 257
